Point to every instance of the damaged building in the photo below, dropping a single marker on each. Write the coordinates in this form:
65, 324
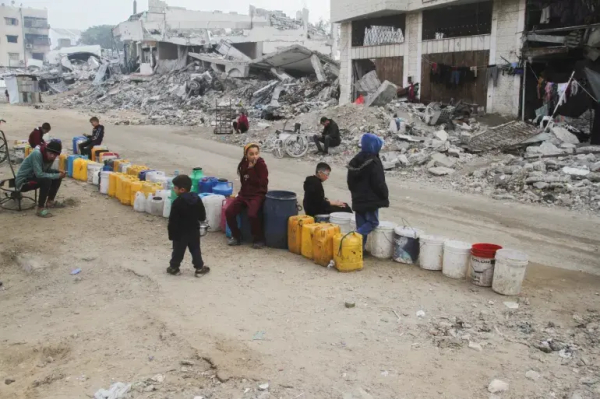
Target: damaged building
162, 37
451, 49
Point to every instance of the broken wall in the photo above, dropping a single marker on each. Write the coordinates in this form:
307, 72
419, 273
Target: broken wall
167, 51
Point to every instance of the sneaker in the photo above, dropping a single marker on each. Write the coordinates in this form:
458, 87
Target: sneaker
258, 245
173, 272
234, 242
200, 272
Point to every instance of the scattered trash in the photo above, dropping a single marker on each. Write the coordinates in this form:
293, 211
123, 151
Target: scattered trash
118, 390
350, 305
532, 375
511, 305
76, 271
9, 381
263, 387
474, 346
259, 336
420, 314
498, 386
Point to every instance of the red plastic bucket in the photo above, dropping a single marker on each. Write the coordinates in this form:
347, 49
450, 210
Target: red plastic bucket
486, 251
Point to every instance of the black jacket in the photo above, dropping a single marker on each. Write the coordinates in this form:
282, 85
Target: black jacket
314, 197
187, 211
97, 135
332, 130
366, 181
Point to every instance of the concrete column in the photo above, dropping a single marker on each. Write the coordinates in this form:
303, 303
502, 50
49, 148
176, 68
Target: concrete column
318, 67
345, 63
508, 23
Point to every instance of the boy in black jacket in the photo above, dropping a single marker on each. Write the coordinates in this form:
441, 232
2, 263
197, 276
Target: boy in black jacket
187, 212
315, 202
366, 181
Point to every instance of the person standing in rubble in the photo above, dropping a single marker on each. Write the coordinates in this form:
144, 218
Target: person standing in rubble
330, 137
241, 125
95, 139
366, 181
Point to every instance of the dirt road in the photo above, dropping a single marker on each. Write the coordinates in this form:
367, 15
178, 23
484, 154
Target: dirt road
274, 317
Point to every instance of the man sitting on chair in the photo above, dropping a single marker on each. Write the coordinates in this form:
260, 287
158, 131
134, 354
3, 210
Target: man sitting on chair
36, 173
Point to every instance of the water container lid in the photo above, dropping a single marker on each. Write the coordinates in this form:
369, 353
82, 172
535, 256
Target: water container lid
512, 254
223, 181
407, 232
459, 245
433, 239
341, 215
281, 195
197, 168
386, 226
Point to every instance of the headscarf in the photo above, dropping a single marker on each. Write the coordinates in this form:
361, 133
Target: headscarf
371, 144
248, 146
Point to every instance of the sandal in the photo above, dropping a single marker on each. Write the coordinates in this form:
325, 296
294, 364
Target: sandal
43, 213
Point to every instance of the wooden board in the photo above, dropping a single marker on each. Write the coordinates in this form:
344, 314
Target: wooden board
472, 92
391, 68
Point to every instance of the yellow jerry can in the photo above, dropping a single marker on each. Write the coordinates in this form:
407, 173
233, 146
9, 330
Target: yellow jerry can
348, 252
323, 243
295, 224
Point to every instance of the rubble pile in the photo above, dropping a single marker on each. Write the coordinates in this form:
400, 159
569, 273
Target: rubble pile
188, 97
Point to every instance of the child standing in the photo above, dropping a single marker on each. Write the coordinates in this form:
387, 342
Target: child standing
366, 181
254, 177
187, 212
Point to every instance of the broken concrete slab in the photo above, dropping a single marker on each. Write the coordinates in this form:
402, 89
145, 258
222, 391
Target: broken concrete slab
294, 58
440, 171
443, 160
412, 139
564, 135
384, 94
284, 77
228, 51
368, 84
503, 136
318, 67
442, 135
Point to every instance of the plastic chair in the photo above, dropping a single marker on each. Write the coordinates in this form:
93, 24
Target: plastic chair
11, 194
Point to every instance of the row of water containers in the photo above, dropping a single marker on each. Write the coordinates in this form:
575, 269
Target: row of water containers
485, 265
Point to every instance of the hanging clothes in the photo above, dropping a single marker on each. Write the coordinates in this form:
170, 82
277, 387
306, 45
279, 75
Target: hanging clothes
492, 73
545, 19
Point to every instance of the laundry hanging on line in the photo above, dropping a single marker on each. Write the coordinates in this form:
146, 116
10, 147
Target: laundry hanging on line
452, 76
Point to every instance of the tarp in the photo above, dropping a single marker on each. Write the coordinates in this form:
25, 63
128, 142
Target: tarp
13, 89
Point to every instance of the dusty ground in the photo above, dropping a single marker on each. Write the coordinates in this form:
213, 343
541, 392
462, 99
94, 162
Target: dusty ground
272, 317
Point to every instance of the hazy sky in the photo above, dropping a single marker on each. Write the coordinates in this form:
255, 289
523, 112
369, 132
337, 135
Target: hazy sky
79, 14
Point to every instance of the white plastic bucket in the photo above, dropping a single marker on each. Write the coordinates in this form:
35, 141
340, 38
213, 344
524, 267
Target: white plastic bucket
457, 255
342, 219
214, 207
432, 251
406, 245
104, 180
509, 271
93, 169
482, 271
156, 206
381, 241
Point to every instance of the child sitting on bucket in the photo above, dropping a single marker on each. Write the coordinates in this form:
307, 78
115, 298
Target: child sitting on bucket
254, 177
315, 203
187, 211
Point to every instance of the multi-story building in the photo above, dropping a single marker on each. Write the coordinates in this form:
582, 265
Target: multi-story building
447, 46
23, 35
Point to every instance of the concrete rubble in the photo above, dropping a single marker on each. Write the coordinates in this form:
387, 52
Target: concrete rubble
450, 145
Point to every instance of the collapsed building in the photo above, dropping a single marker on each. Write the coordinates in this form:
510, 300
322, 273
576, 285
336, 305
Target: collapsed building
163, 36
